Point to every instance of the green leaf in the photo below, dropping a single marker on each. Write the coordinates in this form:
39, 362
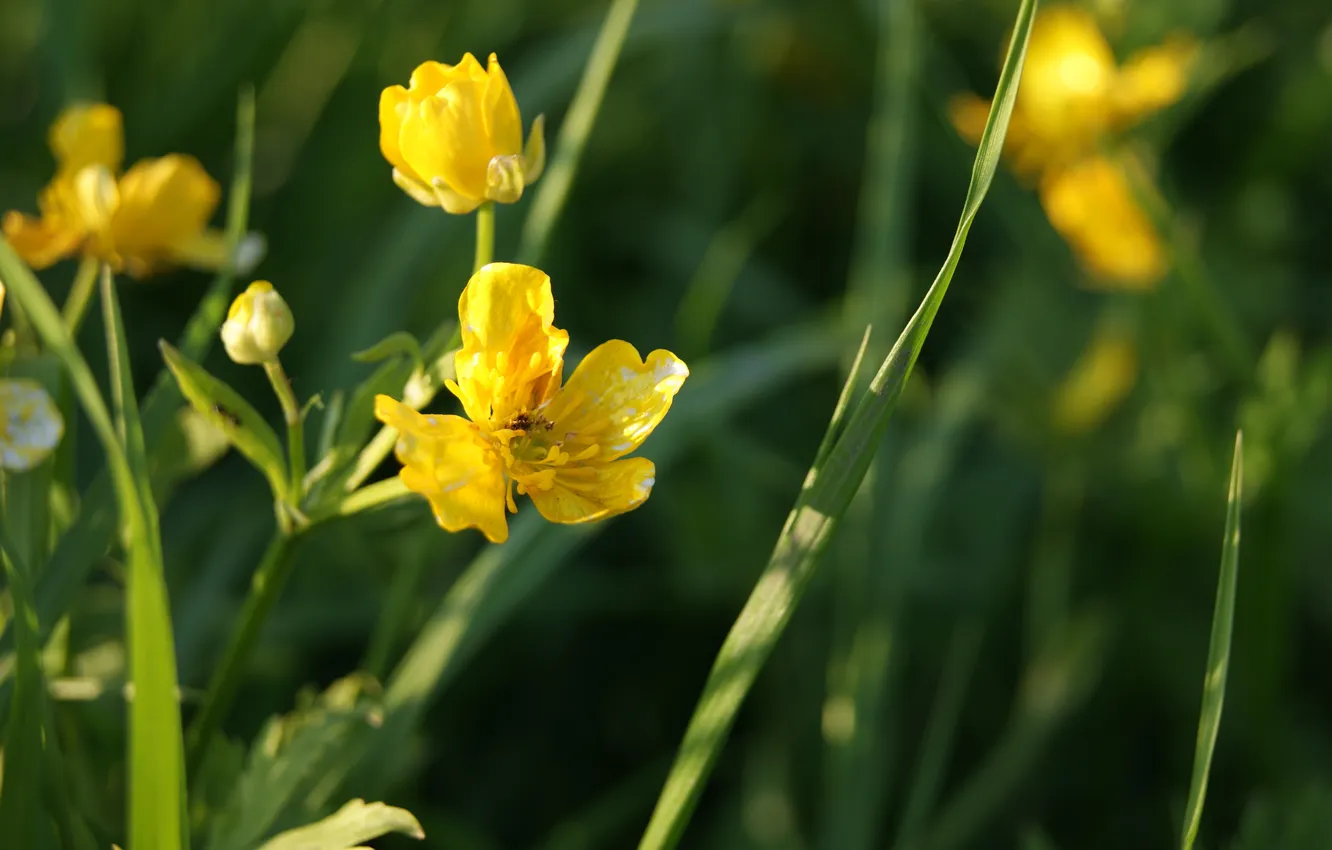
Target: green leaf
1218, 651
229, 412
290, 755
395, 344
350, 825
156, 751
1292, 820
827, 493
157, 755
23, 756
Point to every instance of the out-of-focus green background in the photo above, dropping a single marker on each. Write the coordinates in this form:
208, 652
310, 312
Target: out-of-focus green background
1065, 582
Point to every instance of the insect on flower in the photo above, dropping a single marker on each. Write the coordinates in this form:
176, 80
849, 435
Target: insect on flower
563, 443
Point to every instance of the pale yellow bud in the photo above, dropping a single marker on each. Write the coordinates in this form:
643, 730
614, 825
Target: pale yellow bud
258, 324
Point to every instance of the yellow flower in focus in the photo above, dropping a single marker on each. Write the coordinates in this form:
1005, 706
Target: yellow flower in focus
1091, 204
30, 423
561, 443
1073, 92
154, 215
455, 138
1102, 377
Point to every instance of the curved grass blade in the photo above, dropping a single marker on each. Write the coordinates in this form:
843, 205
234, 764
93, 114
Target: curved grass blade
577, 127
822, 501
1218, 651
156, 754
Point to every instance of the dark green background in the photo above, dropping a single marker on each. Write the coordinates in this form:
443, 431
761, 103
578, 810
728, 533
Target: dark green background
724, 112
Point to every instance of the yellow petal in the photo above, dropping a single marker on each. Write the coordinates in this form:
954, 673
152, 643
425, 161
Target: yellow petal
588, 493
30, 424
444, 136
504, 125
614, 399
1104, 374
1067, 80
164, 205
447, 460
393, 107
41, 242
968, 114
1092, 206
449, 200
1154, 78
512, 355
88, 134
430, 77
418, 191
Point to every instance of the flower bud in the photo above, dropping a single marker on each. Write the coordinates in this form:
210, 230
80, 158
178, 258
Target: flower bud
258, 324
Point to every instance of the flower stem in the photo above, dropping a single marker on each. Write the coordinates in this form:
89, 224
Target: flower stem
291, 412
265, 587
76, 304
485, 235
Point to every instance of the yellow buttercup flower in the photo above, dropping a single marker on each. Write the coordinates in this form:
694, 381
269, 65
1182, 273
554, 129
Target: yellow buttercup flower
153, 215
561, 443
30, 423
1091, 203
1073, 92
1102, 377
455, 137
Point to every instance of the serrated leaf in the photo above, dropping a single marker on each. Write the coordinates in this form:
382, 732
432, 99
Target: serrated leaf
346, 828
395, 344
228, 411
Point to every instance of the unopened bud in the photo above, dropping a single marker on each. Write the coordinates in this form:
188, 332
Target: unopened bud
258, 324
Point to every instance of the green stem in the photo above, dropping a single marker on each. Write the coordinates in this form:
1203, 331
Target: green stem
265, 587
76, 304
485, 235
291, 412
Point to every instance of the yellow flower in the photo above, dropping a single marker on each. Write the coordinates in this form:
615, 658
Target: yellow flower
455, 138
1103, 376
1073, 92
30, 423
258, 325
1091, 204
562, 444
153, 215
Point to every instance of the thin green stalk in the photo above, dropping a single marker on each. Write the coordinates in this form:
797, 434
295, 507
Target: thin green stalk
574, 133
76, 304
291, 413
485, 235
369, 497
265, 587
1218, 652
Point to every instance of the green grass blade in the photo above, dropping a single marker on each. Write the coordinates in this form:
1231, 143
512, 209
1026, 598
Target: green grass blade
156, 754
1218, 651
822, 501
577, 127
19, 798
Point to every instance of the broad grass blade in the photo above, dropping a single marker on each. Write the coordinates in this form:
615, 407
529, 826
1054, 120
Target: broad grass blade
1218, 652
156, 754
827, 493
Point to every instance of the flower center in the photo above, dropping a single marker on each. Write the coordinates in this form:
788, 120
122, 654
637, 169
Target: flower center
533, 457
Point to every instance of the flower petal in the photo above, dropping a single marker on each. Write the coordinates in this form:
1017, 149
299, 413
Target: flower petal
1092, 206
614, 399
504, 125
447, 460
41, 242
1153, 78
164, 205
589, 493
430, 77
1103, 375
30, 424
512, 355
394, 105
88, 134
444, 136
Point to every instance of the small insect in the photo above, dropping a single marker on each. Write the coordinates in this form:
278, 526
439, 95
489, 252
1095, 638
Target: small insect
527, 421
231, 418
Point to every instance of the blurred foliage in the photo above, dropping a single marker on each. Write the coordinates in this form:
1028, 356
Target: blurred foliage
729, 157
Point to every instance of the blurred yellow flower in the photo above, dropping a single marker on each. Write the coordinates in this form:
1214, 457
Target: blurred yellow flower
30, 423
1073, 92
153, 215
1102, 377
455, 138
1091, 203
562, 444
